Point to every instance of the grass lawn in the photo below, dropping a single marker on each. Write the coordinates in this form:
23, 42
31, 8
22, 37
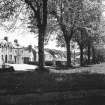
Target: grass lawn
56, 87
98, 68
34, 82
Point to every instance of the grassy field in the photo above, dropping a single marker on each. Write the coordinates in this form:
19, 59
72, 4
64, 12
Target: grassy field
34, 82
98, 68
26, 87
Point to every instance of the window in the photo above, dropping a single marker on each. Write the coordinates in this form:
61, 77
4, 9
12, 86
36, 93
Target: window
10, 57
2, 49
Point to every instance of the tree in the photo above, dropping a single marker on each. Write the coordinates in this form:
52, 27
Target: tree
39, 9
81, 36
82, 16
93, 19
65, 12
94, 38
89, 27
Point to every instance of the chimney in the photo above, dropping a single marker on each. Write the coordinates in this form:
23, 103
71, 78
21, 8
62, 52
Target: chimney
6, 38
15, 41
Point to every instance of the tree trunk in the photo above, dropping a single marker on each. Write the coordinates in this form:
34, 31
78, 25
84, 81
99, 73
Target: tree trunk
42, 23
81, 56
68, 54
93, 56
41, 49
89, 53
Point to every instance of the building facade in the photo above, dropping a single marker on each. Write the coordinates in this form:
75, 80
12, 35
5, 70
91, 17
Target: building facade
14, 53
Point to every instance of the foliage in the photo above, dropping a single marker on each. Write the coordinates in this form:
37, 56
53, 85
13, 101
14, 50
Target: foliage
60, 39
81, 37
52, 27
39, 19
12, 11
99, 53
92, 21
7, 8
66, 13
87, 17
36, 14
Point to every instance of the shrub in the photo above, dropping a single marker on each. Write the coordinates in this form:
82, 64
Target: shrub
33, 63
48, 63
61, 63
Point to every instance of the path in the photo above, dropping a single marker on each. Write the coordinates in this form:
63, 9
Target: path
98, 68
23, 67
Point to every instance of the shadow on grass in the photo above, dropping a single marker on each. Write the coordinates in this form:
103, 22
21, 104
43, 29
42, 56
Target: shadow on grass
94, 100
68, 68
62, 67
35, 82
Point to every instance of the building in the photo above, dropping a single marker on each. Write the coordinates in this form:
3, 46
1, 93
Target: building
14, 53
10, 53
29, 54
6, 54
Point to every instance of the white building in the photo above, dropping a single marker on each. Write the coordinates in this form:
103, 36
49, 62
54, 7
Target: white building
13, 53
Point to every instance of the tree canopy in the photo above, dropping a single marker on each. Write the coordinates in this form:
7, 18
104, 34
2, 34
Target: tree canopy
61, 16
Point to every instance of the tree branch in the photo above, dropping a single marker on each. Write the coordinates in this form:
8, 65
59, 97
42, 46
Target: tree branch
29, 3
36, 12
